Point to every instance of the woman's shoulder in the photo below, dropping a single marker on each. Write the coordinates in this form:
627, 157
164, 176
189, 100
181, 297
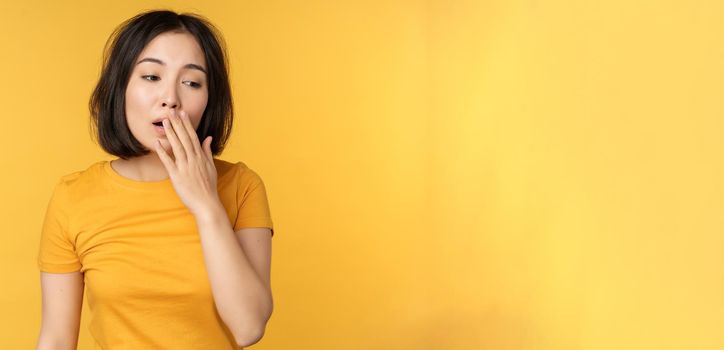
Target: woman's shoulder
223, 166
68, 185
91, 172
77, 177
230, 169
238, 173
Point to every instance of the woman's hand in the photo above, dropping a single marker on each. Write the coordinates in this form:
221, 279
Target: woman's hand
192, 169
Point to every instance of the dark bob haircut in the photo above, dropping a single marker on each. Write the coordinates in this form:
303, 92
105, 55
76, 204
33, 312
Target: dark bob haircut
107, 102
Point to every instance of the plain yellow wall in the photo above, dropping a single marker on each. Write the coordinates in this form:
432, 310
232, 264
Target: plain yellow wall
441, 174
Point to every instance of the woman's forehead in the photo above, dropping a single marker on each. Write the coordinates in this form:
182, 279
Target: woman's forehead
173, 49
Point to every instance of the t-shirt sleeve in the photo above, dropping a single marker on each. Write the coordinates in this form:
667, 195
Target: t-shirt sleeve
252, 202
56, 251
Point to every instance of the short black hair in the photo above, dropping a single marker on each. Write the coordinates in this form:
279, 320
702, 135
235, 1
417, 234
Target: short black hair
107, 102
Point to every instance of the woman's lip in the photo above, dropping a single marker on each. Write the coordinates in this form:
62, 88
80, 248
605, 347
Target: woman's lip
160, 130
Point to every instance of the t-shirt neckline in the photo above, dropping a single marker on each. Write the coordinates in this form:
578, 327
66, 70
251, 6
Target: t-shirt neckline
141, 185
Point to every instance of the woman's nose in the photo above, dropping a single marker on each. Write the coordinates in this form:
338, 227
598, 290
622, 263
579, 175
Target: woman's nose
170, 98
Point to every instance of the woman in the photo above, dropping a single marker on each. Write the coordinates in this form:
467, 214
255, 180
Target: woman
172, 244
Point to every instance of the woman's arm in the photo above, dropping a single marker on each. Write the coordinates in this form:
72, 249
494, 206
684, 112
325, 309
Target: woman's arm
62, 305
242, 295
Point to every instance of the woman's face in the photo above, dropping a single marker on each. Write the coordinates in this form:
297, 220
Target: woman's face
169, 74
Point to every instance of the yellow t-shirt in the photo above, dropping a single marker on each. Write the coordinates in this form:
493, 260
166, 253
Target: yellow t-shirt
139, 250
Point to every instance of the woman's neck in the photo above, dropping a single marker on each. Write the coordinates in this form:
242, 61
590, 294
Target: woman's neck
144, 168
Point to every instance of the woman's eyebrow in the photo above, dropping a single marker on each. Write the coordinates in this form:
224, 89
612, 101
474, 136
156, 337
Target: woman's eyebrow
188, 65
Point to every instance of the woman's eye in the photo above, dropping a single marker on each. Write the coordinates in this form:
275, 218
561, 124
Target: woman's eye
192, 84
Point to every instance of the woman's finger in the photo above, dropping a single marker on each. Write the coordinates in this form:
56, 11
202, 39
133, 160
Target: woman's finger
207, 149
176, 146
165, 158
205, 154
182, 136
191, 133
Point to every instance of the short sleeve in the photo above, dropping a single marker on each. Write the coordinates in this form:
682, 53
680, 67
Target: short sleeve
251, 200
56, 251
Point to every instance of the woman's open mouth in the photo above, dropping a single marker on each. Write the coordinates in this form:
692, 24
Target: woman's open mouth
159, 128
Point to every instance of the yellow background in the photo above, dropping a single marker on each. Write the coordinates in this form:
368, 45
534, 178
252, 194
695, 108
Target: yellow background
442, 174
